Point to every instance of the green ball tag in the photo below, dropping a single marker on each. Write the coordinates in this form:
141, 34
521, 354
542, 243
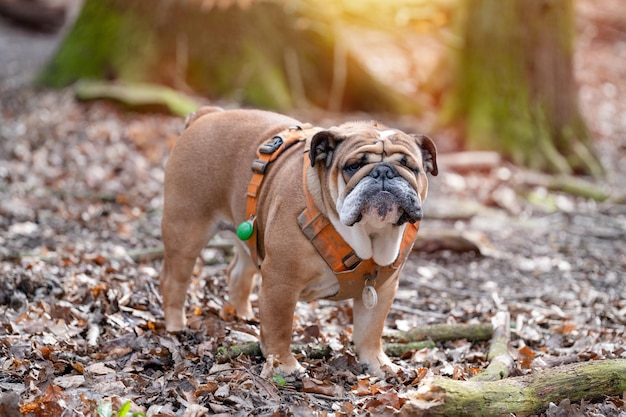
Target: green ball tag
245, 230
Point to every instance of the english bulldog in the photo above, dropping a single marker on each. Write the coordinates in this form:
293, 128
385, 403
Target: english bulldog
332, 214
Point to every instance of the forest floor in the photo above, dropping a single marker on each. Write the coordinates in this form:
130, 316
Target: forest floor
81, 325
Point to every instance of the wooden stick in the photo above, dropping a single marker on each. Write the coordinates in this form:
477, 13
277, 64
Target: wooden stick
445, 332
501, 361
399, 349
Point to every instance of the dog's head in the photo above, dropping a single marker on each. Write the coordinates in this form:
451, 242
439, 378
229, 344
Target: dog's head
373, 174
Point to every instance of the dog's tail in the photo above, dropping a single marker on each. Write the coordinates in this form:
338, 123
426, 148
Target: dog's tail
192, 117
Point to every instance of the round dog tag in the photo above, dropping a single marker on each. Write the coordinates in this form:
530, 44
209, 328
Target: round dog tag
369, 297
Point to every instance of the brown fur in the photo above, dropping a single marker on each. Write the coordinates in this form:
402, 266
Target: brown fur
205, 191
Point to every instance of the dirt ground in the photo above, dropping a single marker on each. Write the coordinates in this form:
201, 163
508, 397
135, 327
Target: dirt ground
81, 326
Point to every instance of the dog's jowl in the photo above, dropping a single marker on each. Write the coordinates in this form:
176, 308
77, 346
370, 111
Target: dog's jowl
320, 213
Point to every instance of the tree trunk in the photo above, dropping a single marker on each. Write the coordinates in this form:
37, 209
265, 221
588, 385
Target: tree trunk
261, 53
514, 89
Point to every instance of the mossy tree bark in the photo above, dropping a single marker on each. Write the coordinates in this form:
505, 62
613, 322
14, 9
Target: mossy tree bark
267, 54
524, 395
514, 89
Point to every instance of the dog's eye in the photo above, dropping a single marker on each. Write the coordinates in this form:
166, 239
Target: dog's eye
405, 163
350, 169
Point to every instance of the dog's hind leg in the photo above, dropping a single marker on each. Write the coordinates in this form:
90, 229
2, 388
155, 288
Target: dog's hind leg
183, 239
241, 272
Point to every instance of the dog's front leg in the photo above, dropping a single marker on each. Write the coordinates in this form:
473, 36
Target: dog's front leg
277, 305
368, 328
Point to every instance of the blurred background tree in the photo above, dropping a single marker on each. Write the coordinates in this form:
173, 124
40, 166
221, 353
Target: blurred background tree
513, 88
269, 54
507, 84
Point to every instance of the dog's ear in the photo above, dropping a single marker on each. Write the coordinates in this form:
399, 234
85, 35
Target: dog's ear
323, 147
429, 153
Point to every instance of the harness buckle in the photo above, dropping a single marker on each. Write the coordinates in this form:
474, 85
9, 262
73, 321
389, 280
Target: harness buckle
271, 146
351, 260
259, 167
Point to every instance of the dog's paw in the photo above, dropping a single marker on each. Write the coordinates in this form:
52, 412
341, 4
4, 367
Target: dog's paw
379, 365
391, 369
231, 311
288, 366
175, 321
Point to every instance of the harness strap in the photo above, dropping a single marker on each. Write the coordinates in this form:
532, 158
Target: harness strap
352, 272
267, 153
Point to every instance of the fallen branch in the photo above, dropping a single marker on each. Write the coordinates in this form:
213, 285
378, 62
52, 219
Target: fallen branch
224, 354
470, 161
434, 240
399, 349
445, 332
500, 360
415, 339
136, 95
569, 184
529, 394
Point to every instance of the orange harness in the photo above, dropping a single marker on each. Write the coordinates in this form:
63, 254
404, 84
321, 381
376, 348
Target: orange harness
352, 272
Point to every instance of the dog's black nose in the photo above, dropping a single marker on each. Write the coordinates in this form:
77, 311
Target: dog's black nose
383, 171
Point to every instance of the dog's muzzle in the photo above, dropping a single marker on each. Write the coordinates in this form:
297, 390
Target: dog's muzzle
384, 195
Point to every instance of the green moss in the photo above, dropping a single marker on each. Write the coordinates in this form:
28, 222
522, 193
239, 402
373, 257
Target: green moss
104, 42
514, 91
89, 51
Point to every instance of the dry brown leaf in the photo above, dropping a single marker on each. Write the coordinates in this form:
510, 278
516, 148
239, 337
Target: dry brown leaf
321, 387
49, 405
228, 312
566, 327
364, 387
